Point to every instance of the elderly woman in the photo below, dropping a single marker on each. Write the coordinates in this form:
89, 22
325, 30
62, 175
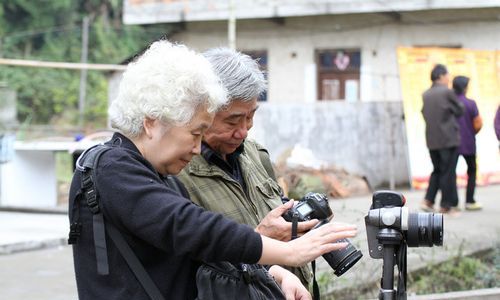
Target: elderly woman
167, 99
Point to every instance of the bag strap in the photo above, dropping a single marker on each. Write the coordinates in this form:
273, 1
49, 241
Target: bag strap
133, 262
87, 163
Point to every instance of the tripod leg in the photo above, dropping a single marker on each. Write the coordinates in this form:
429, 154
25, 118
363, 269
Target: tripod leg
387, 291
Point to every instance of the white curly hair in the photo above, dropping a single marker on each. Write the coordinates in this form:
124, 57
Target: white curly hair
168, 83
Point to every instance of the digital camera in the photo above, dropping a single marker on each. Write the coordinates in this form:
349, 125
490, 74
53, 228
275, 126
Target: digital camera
315, 206
387, 212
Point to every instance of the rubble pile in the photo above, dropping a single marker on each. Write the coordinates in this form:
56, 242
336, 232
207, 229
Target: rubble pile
334, 182
299, 171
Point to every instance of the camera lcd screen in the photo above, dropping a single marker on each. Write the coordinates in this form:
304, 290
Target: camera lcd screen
304, 209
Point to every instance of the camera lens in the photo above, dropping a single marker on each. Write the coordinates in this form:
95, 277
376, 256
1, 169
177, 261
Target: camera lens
425, 229
343, 259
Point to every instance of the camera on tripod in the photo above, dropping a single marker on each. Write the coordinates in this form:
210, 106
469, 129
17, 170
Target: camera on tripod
388, 211
390, 229
315, 206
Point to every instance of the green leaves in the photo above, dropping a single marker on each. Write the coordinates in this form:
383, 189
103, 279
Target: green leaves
49, 30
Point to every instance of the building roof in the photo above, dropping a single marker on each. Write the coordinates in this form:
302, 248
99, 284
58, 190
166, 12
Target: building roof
174, 11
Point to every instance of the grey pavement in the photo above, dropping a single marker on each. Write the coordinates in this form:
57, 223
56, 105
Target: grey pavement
35, 262
28, 231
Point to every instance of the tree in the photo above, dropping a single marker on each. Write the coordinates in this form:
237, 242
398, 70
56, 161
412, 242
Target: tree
51, 31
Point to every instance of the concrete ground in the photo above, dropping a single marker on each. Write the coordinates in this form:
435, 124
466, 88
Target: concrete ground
35, 263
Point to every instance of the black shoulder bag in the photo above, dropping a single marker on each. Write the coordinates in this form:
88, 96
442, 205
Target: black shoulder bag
224, 280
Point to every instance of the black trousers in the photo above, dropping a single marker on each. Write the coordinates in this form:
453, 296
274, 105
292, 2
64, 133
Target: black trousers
471, 177
444, 177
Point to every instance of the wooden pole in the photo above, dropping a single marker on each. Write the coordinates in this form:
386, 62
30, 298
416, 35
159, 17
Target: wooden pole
231, 26
60, 65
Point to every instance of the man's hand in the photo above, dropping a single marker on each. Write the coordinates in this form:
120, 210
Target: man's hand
290, 284
274, 226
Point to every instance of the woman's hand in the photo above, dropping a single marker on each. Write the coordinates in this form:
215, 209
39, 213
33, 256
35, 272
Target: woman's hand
320, 241
308, 247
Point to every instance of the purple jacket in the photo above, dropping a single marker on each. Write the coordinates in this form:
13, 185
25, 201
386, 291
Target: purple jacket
465, 122
497, 123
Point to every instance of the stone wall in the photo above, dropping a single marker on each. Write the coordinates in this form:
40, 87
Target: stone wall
365, 138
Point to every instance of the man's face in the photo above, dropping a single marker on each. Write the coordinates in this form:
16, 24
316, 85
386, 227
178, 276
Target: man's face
230, 126
171, 148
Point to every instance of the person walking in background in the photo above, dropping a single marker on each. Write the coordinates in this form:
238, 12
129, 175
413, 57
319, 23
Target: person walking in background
440, 110
497, 124
470, 123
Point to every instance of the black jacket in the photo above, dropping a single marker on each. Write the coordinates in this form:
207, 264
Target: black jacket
168, 233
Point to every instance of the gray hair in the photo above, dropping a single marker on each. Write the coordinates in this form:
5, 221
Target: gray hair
168, 83
239, 73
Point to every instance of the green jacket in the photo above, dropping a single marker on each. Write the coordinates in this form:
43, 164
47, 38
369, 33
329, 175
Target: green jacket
212, 188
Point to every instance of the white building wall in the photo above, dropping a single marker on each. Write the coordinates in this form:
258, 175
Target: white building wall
291, 46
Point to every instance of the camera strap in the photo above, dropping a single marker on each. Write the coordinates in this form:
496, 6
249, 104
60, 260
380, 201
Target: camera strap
295, 223
316, 295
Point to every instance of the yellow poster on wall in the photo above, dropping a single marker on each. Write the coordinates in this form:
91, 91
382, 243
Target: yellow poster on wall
483, 69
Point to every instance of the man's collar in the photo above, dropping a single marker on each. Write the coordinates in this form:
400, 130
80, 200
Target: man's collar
209, 154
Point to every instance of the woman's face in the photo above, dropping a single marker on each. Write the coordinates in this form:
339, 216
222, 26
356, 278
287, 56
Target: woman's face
170, 148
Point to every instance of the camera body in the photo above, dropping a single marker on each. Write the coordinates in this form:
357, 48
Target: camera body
311, 206
388, 214
315, 206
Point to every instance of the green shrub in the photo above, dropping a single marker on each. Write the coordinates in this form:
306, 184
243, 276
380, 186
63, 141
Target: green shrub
458, 274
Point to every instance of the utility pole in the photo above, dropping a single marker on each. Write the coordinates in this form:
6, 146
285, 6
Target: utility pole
231, 26
83, 72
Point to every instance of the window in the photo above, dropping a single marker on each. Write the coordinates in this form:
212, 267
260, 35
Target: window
261, 56
338, 74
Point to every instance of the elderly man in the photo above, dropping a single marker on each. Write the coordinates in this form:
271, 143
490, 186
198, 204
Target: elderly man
233, 175
440, 110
